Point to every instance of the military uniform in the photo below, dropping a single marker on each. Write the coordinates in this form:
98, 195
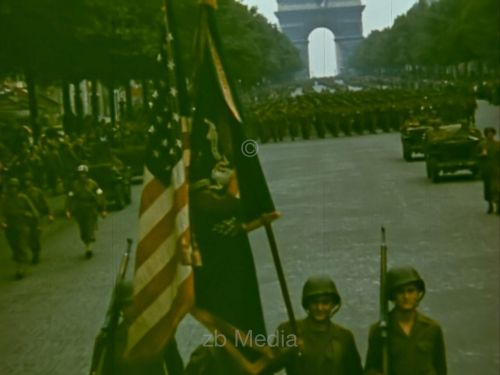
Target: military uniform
41, 204
332, 123
327, 350
84, 202
19, 216
305, 125
346, 122
358, 122
490, 172
324, 348
420, 353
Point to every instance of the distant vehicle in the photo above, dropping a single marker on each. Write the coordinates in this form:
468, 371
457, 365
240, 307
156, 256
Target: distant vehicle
451, 148
133, 157
115, 184
413, 138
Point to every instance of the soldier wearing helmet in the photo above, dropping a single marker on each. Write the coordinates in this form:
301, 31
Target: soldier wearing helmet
490, 169
324, 348
415, 342
41, 204
19, 215
84, 201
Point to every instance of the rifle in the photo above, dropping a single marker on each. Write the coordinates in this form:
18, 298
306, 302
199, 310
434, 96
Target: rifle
104, 355
384, 304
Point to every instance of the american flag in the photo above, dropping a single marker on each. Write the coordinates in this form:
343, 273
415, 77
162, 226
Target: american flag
163, 280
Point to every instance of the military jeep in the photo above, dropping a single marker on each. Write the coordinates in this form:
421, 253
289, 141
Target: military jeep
452, 148
413, 138
133, 157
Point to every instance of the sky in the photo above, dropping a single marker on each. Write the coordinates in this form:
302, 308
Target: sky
378, 14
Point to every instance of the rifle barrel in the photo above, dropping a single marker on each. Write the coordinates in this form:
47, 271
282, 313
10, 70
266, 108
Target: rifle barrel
383, 304
122, 270
103, 358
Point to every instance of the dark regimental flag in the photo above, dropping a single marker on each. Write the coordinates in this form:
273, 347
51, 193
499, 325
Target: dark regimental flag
226, 285
163, 279
216, 103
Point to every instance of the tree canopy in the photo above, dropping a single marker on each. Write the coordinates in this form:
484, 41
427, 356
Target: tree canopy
444, 32
120, 39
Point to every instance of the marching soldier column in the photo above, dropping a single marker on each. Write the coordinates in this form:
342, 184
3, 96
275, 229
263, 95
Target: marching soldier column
353, 112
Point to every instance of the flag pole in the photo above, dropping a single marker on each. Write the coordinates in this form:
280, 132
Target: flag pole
281, 276
266, 220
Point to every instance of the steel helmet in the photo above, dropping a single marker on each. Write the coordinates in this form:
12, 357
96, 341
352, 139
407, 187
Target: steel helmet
319, 285
400, 276
82, 168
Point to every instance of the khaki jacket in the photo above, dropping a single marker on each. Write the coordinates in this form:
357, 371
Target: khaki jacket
420, 353
323, 352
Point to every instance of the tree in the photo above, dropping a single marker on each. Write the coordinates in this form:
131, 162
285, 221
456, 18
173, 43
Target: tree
120, 39
114, 41
437, 34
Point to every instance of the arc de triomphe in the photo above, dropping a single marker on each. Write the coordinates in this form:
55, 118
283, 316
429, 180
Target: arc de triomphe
298, 18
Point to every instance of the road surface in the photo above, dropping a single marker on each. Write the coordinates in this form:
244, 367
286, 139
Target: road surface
334, 195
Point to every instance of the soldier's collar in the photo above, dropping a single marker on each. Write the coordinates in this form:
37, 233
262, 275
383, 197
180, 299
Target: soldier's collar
314, 326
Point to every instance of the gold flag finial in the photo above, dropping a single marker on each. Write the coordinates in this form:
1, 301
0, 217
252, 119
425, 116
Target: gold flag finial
211, 3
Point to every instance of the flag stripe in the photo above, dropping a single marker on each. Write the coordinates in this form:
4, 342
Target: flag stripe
148, 177
151, 213
161, 317
160, 281
153, 217
163, 229
154, 238
159, 258
151, 192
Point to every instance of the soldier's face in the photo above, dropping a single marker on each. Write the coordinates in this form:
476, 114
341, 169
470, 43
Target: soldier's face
321, 307
407, 297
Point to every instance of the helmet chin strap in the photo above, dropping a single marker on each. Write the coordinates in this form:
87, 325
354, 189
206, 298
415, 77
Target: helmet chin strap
421, 295
334, 310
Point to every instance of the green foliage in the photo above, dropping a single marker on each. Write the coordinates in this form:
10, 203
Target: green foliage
445, 32
254, 48
117, 40
31, 38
